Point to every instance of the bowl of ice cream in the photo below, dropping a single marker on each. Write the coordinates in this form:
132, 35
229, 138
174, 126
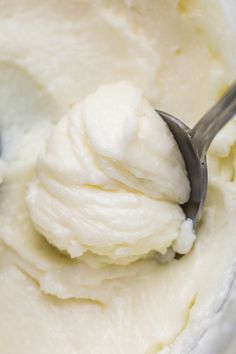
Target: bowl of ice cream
92, 179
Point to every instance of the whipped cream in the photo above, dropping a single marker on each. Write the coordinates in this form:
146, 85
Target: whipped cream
111, 180
53, 54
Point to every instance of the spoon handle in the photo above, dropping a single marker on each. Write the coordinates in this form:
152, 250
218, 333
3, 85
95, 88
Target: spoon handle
213, 121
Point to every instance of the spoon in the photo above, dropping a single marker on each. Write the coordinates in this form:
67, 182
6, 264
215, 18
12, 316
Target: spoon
193, 145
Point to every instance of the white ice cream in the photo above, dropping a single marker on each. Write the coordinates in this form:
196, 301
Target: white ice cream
111, 180
77, 294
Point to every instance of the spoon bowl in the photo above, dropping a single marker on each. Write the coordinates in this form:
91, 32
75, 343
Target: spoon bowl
196, 168
193, 145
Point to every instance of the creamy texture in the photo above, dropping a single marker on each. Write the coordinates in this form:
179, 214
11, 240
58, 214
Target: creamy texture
52, 56
111, 180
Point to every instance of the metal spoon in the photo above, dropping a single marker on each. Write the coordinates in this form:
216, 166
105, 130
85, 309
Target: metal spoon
194, 143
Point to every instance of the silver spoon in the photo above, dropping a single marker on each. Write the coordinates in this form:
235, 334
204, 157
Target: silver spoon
194, 143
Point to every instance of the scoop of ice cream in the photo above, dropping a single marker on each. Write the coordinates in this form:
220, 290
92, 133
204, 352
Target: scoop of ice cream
111, 180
